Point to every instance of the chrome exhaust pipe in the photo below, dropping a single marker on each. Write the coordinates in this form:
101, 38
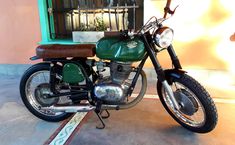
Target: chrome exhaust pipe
70, 109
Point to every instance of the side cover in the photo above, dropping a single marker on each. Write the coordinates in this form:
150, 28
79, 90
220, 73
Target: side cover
114, 49
72, 73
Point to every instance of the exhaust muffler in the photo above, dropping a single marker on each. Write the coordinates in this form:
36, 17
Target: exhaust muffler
69, 109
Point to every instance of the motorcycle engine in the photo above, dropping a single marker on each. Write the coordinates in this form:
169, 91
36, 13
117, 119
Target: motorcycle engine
113, 88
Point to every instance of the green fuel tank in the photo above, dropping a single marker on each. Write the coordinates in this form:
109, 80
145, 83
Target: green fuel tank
115, 49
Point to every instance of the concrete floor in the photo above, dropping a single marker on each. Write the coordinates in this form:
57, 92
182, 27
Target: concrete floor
149, 124
17, 125
146, 124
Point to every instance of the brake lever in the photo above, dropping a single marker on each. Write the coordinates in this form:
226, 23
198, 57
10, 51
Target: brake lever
169, 11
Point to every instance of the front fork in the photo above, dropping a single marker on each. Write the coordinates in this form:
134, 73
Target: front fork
174, 58
177, 66
171, 94
160, 72
162, 77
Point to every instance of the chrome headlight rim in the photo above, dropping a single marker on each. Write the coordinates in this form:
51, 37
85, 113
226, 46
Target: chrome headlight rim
163, 37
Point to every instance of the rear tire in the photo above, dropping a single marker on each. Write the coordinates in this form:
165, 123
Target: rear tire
32, 104
200, 96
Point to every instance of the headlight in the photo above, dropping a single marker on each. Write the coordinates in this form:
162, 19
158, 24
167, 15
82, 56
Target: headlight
164, 37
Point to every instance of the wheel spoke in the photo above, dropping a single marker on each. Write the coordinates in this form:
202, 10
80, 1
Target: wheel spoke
36, 86
198, 118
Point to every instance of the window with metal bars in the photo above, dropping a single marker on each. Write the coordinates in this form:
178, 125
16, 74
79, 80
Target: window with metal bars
66, 16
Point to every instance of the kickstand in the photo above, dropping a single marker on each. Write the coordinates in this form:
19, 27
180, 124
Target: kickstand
102, 126
107, 115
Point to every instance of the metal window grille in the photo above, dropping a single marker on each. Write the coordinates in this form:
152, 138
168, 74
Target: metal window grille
67, 16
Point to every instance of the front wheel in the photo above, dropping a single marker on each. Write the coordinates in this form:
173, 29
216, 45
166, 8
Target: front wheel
197, 109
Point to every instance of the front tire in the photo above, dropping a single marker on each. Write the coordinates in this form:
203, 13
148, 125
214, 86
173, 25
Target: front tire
193, 99
32, 94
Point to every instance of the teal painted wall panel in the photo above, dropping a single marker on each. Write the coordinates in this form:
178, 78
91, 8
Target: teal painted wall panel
43, 13
45, 25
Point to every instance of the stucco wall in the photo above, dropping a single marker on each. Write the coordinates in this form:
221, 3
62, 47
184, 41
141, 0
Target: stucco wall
202, 31
19, 30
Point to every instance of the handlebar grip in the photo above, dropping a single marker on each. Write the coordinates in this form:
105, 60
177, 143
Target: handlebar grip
167, 8
232, 37
168, 3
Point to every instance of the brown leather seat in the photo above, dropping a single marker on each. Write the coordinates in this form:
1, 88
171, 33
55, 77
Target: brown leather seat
62, 51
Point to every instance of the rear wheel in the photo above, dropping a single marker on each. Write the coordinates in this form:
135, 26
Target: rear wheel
34, 89
197, 110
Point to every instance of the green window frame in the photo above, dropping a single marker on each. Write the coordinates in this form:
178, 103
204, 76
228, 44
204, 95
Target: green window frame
46, 25
49, 27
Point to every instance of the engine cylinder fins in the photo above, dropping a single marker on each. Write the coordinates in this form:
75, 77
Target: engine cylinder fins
120, 71
134, 101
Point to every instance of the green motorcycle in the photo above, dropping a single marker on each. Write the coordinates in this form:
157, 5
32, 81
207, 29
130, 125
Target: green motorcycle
69, 81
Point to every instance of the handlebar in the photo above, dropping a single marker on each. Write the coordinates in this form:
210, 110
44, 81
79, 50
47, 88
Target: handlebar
168, 4
157, 22
167, 9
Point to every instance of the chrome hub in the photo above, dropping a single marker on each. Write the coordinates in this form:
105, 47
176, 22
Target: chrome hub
188, 104
42, 92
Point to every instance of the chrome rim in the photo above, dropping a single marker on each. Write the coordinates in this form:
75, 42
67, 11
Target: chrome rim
197, 119
35, 80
